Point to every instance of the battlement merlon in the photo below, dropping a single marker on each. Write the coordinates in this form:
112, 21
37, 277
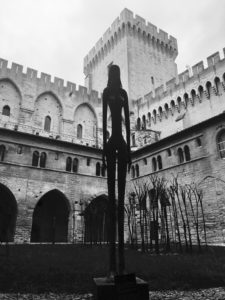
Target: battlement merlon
45, 81
127, 16
182, 79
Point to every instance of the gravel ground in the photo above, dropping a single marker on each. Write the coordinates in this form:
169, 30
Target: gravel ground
213, 293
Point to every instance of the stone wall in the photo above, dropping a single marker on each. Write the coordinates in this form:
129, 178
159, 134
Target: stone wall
205, 168
186, 101
31, 99
29, 183
144, 54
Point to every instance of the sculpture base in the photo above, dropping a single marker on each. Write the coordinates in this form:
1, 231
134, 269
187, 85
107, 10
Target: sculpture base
121, 288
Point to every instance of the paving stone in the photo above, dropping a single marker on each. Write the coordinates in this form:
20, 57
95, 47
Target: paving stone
206, 294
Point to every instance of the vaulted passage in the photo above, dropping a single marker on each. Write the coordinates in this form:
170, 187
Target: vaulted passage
96, 218
50, 218
8, 214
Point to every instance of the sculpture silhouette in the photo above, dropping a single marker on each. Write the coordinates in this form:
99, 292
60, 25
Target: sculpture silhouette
116, 150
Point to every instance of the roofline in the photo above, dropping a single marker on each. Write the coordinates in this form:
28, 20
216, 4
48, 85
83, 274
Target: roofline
47, 139
179, 134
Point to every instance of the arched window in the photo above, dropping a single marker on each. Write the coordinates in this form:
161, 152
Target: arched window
6, 110
19, 149
2, 152
138, 123
132, 172
133, 140
143, 122
169, 152
103, 170
159, 160
160, 112
98, 169
180, 155
149, 118
221, 144
200, 91
193, 94
88, 161
186, 99
35, 159
145, 161
154, 115
198, 142
47, 126
179, 103
68, 164
166, 106
154, 164
187, 153
43, 160
217, 82
172, 104
208, 88
79, 131
137, 170
75, 165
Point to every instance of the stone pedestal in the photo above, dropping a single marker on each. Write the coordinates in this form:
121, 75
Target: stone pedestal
109, 290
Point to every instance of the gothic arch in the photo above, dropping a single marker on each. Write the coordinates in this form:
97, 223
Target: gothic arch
86, 116
8, 214
208, 87
172, 105
11, 96
217, 83
179, 101
154, 113
200, 92
193, 95
160, 111
166, 107
51, 218
96, 216
186, 99
48, 104
13, 83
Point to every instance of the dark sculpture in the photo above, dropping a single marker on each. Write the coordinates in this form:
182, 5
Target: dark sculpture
116, 150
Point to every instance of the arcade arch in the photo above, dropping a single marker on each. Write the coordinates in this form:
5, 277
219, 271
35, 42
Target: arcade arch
8, 214
96, 216
50, 218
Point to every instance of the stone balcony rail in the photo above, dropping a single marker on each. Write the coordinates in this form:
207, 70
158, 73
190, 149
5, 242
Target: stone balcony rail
49, 134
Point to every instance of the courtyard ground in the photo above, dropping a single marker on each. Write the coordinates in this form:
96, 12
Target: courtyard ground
66, 272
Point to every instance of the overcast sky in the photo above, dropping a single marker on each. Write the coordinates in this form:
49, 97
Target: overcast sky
53, 36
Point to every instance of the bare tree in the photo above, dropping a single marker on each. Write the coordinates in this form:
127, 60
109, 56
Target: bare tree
130, 210
171, 191
140, 189
183, 192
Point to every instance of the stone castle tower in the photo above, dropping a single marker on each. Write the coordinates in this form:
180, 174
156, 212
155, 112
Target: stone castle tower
146, 56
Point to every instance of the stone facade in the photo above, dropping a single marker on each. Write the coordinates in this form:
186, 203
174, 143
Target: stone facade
186, 101
29, 183
51, 132
146, 56
205, 167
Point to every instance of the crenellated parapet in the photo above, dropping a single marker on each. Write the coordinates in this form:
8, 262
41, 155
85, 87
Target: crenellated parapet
195, 94
31, 98
45, 82
187, 81
127, 24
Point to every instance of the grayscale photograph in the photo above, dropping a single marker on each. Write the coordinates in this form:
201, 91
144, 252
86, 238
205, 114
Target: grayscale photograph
112, 150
